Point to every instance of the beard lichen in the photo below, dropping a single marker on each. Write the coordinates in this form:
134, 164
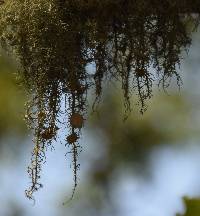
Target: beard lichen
56, 40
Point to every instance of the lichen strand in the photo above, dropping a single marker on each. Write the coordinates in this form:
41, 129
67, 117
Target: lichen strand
54, 42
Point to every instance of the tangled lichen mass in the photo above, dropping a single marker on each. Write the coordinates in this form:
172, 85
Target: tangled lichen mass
55, 41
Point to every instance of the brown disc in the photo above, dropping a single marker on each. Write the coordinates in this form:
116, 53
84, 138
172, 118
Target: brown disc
76, 120
72, 138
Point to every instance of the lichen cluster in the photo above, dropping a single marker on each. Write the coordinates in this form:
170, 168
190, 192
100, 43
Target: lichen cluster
56, 40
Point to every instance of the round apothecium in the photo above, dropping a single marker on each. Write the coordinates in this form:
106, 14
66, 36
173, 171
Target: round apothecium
72, 138
76, 120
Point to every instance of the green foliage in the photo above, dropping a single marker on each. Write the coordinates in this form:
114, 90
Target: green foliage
54, 42
11, 100
192, 207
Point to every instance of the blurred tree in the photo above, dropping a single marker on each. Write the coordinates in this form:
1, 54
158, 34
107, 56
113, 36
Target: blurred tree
129, 143
11, 100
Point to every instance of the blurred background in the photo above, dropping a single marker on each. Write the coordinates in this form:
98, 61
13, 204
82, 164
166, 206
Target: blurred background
148, 165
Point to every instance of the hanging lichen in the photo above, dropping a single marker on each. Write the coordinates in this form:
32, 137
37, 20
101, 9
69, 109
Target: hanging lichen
56, 40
